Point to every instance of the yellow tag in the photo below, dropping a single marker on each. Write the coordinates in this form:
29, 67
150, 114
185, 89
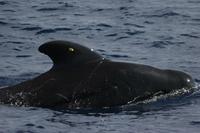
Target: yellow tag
71, 49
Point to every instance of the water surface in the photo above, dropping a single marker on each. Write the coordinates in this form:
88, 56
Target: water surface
164, 34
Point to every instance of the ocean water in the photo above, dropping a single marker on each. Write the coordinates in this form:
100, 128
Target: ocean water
161, 33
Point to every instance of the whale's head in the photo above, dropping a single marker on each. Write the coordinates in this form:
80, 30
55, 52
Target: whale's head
186, 80
68, 53
183, 79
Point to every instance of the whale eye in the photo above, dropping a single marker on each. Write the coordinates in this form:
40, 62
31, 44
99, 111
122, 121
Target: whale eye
70, 49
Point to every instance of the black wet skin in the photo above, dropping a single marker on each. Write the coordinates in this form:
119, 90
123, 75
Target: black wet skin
82, 78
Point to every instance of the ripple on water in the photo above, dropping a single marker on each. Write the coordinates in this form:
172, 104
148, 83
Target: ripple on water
23, 56
9, 10
3, 3
104, 25
164, 44
148, 22
48, 9
3, 23
194, 1
46, 31
116, 55
79, 14
85, 28
29, 125
120, 38
68, 5
17, 49
196, 19
135, 25
165, 13
134, 32
15, 42
101, 50
111, 35
33, 125
32, 28
195, 123
189, 35
119, 56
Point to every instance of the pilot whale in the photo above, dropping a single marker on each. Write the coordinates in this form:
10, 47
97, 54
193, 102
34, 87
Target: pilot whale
81, 78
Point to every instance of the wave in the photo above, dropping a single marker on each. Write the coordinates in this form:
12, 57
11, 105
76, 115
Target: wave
165, 13
48, 9
3, 23
45, 31
32, 28
104, 25
164, 44
3, 3
23, 56
189, 35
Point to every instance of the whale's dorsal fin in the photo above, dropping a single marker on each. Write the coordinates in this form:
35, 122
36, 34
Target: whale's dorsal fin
66, 53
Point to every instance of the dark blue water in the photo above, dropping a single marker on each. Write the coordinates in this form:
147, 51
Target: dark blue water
160, 33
